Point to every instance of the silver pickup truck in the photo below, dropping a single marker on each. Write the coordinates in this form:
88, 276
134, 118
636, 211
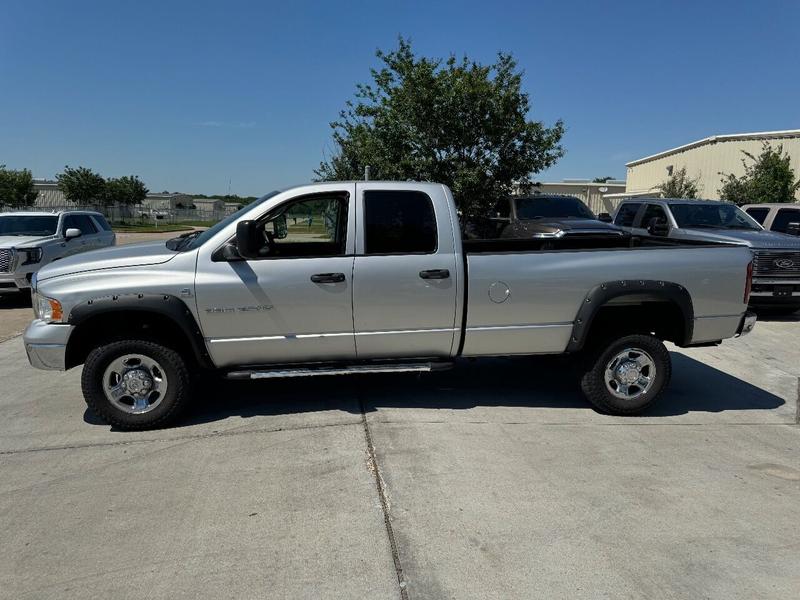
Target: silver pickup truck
369, 277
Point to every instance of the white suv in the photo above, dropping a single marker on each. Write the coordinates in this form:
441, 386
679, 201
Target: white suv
30, 240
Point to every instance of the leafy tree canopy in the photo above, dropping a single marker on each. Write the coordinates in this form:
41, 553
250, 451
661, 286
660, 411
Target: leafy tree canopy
451, 121
81, 185
767, 177
125, 190
16, 187
602, 179
680, 185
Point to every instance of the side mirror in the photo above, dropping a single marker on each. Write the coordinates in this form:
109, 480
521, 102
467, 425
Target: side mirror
247, 242
793, 229
605, 218
231, 253
72, 232
658, 228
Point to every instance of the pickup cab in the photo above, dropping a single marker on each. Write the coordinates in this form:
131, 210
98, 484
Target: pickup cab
369, 277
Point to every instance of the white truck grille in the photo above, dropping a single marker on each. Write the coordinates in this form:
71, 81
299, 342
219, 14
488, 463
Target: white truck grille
776, 263
6, 260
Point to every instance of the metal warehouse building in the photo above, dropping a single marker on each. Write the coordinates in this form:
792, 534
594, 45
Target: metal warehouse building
706, 159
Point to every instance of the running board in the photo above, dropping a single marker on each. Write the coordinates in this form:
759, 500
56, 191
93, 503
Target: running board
340, 370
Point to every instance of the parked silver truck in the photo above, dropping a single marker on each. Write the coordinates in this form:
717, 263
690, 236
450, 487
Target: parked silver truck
370, 277
32, 239
776, 275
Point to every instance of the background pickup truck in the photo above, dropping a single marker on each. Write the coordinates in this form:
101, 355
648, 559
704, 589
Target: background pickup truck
30, 240
776, 266
340, 277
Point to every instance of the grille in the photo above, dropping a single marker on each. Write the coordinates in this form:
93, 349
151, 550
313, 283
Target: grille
6, 260
776, 264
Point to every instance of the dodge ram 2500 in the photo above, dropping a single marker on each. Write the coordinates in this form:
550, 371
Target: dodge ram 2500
365, 277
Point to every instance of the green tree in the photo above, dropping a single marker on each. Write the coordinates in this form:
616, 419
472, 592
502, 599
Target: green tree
16, 187
767, 177
680, 185
81, 185
125, 190
602, 179
451, 121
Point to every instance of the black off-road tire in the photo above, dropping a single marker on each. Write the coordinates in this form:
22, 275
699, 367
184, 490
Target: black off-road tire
593, 379
174, 402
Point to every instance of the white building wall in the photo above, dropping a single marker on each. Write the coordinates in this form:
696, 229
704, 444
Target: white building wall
706, 159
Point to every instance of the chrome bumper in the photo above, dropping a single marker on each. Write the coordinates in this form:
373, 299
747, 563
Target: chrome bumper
46, 345
746, 326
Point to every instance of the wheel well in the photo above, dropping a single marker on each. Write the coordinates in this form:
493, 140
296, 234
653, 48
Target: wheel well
129, 324
663, 318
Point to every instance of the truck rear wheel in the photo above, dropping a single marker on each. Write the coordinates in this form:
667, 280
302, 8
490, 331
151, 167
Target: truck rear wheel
136, 384
627, 375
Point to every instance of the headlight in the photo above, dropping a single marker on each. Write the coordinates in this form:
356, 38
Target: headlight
32, 255
47, 309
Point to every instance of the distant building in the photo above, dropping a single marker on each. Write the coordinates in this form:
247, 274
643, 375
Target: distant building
592, 194
210, 205
49, 196
167, 201
705, 159
232, 207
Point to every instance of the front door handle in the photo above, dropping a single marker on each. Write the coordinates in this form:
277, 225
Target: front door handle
328, 278
435, 274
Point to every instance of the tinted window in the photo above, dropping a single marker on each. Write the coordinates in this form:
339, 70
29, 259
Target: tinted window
626, 214
28, 225
565, 207
784, 217
653, 211
399, 222
759, 214
712, 216
82, 222
101, 220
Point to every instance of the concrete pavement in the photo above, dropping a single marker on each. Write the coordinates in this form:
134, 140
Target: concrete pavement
494, 480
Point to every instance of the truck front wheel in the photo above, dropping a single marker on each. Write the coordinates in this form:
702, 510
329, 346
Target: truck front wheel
136, 384
627, 375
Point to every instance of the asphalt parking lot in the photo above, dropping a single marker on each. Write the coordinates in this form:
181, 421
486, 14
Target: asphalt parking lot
494, 480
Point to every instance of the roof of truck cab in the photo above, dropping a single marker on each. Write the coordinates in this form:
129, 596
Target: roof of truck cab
48, 213
640, 199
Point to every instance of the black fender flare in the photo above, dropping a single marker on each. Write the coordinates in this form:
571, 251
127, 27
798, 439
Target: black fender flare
603, 293
165, 305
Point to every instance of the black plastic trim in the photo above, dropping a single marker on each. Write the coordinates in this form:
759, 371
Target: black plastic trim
603, 293
162, 304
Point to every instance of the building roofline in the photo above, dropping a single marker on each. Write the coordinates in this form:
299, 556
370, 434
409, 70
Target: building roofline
786, 133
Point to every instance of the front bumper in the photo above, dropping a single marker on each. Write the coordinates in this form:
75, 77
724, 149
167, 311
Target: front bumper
14, 282
747, 323
773, 291
46, 345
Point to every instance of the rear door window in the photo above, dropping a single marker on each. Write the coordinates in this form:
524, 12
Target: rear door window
785, 216
759, 214
626, 214
399, 222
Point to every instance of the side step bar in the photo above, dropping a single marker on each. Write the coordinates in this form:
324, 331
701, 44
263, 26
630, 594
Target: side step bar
339, 370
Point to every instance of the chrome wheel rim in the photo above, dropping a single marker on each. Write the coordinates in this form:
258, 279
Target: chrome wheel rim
135, 383
630, 374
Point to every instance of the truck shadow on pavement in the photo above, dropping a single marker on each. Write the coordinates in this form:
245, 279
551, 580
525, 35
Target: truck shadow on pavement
509, 382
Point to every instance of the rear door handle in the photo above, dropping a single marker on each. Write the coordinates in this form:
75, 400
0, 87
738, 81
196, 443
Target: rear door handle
328, 278
435, 274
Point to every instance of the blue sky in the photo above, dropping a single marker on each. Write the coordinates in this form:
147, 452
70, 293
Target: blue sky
192, 95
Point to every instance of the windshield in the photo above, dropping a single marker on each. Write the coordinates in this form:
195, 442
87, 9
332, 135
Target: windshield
28, 225
712, 216
560, 208
191, 242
